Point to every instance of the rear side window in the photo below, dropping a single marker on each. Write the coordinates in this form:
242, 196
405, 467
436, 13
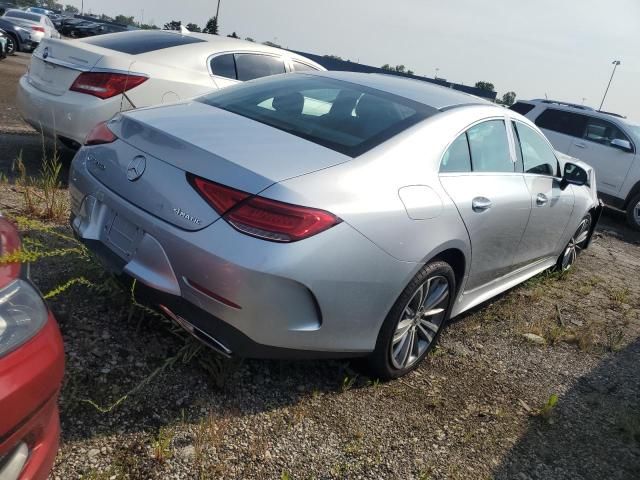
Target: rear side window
141, 41
489, 147
343, 116
25, 16
457, 157
537, 155
303, 67
250, 66
522, 108
560, 121
224, 66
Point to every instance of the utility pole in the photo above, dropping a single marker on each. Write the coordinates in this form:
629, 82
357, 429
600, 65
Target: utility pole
218, 10
615, 64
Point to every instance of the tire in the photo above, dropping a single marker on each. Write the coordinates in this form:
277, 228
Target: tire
577, 243
633, 212
12, 45
415, 322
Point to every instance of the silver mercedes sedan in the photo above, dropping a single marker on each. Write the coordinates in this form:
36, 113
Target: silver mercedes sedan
328, 214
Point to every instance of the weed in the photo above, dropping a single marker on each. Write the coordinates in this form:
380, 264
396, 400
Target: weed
620, 295
348, 382
614, 336
547, 409
162, 445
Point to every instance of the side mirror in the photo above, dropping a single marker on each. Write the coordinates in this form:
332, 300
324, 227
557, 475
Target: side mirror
621, 144
574, 175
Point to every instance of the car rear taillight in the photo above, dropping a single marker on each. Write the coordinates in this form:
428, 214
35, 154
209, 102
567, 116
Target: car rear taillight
38, 29
262, 217
104, 84
100, 134
9, 244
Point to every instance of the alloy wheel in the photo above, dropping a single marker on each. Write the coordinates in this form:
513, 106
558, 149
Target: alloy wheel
420, 322
576, 244
636, 213
11, 45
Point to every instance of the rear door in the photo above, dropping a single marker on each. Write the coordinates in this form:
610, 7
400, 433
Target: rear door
478, 172
610, 163
551, 207
561, 127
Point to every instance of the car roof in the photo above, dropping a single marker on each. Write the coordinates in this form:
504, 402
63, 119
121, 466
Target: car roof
573, 107
436, 96
203, 48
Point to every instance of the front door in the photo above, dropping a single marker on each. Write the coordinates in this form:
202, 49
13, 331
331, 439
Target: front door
551, 207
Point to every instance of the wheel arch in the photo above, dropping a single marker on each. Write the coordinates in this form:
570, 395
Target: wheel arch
458, 262
635, 190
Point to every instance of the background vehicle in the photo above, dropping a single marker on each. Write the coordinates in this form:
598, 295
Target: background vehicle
19, 37
372, 207
31, 368
606, 141
72, 86
40, 25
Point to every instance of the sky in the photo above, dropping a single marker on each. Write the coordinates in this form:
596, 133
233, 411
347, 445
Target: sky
563, 49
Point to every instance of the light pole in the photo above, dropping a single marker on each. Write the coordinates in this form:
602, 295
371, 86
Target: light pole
437, 70
615, 64
218, 10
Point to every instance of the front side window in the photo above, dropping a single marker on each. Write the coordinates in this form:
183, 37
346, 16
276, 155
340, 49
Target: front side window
457, 157
489, 147
224, 66
561, 121
250, 66
603, 132
537, 156
343, 116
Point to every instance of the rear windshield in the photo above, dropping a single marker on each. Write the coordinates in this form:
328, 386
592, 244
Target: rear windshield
522, 108
23, 15
343, 116
137, 42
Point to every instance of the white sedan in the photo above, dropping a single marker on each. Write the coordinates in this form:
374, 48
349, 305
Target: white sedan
72, 85
41, 26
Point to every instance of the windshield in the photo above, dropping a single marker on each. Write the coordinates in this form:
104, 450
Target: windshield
343, 116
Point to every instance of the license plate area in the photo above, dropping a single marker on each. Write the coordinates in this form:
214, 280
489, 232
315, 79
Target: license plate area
123, 236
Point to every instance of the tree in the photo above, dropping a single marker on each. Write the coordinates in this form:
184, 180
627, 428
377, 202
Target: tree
233, 35
71, 9
386, 66
192, 27
410, 72
249, 39
485, 86
172, 25
211, 27
146, 26
334, 57
124, 20
509, 98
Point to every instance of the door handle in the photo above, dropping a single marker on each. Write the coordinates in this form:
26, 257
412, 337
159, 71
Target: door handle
580, 145
480, 204
541, 200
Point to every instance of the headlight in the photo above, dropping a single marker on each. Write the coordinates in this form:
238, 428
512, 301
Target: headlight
22, 315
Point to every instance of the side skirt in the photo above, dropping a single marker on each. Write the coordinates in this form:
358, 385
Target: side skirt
472, 298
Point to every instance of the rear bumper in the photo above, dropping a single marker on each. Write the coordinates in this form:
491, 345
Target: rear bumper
324, 296
71, 115
30, 378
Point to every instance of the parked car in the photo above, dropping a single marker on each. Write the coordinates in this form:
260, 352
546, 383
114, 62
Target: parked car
90, 29
40, 25
328, 214
68, 25
19, 38
4, 6
40, 11
97, 77
31, 369
606, 141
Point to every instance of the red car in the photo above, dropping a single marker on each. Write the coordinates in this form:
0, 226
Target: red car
31, 369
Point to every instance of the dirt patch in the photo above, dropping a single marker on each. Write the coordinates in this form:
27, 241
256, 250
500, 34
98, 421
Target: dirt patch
141, 401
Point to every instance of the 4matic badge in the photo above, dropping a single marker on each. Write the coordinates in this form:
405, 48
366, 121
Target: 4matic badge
186, 216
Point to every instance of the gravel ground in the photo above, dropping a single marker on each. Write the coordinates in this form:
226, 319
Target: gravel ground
477, 408
141, 400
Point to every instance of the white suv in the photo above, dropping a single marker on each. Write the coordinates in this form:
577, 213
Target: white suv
606, 141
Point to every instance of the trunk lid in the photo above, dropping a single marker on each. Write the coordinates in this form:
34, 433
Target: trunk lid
205, 141
56, 63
